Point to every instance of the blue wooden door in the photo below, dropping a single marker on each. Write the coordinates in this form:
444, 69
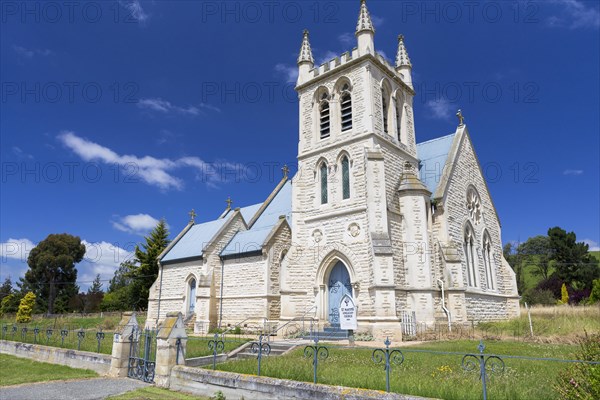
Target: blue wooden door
192, 299
339, 285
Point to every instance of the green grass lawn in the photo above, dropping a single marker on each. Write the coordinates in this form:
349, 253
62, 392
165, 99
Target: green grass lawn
14, 371
425, 374
154, 393
198, 346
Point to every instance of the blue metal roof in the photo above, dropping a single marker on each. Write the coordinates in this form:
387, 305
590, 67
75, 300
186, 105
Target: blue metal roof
193, 242
248, 212
433, 155
253, 239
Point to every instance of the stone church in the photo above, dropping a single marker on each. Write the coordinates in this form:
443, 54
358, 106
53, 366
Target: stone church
399, 226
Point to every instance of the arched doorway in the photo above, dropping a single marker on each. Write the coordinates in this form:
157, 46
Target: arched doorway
192, 297
338, 285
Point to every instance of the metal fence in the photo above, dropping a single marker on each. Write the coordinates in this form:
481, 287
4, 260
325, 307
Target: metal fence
95, 340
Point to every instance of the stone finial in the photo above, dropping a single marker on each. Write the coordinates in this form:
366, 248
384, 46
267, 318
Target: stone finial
461, 119
286, 171
229, 202
364, 19
402, 59
305, 51
193, 216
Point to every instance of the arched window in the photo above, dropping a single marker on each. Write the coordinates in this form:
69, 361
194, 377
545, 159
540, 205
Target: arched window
487, 262
323, 176
399, 109
345, 178
346, 102
469, 250
385, 109
325, 125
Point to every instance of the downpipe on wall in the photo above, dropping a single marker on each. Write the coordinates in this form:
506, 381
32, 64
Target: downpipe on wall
441, 284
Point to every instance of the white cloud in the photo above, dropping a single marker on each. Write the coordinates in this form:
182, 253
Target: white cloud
593, 244
136, 12
440, 108
20, 153
574, 172
377, 21
16, 249
290, 72
136, 224
326, 57
347, 39
30, 53
166, 107
575, 14
153, 171
101, 258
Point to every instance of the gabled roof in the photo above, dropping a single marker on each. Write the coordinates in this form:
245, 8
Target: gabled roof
254, 238
433, 155
194, 241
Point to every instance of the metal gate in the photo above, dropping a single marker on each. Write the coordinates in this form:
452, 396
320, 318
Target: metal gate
142, 355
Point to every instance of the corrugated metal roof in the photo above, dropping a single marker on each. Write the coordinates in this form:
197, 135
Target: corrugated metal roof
433, 155
193, 242
248, 212
253, 239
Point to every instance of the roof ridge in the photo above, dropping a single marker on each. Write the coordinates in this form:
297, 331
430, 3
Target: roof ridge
437, 138
268, 201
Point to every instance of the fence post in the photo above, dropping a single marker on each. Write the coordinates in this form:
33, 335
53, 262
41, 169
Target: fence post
125, 336
171, 341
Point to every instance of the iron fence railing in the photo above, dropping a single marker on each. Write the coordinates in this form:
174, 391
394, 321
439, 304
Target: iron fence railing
484, 364
91, 339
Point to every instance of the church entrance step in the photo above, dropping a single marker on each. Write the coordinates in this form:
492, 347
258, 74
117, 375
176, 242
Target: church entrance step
277, 349
328, 333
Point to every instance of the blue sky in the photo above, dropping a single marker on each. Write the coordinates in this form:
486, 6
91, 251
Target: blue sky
117, 113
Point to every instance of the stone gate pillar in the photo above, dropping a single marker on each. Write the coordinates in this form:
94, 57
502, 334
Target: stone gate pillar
126, 335
171, 341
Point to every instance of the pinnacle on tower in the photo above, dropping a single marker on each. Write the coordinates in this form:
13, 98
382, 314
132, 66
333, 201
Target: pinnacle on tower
364, 19
402, 59
305, 51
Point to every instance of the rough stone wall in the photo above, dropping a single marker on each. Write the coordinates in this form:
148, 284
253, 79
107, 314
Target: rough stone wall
466, 173
244, 289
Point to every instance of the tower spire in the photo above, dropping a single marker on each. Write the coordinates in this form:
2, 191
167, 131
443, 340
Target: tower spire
305, 51
364, 19
365, 32
306, 62
403, 64
402, 59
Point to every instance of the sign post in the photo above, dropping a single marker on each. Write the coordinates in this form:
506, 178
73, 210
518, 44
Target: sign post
348, 313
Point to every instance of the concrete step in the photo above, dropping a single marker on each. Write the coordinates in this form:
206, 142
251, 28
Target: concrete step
277, 349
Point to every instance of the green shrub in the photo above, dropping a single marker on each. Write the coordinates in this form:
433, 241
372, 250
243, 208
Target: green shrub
564, 295
9, 304
582, 381
539, 296
595, 295
218, 396
26, 308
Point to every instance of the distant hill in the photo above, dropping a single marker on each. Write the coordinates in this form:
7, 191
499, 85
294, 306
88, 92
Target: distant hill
596, 254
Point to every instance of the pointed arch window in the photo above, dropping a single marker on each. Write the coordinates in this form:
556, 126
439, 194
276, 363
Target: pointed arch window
487, 262
323, 176
345, 178
399, 107
324, 114
385, 109
346, 103
469, 250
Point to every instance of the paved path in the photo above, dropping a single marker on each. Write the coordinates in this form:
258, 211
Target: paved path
81, 389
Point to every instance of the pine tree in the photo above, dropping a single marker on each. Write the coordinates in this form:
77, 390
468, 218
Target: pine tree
6, 288
145, 270
96, 287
